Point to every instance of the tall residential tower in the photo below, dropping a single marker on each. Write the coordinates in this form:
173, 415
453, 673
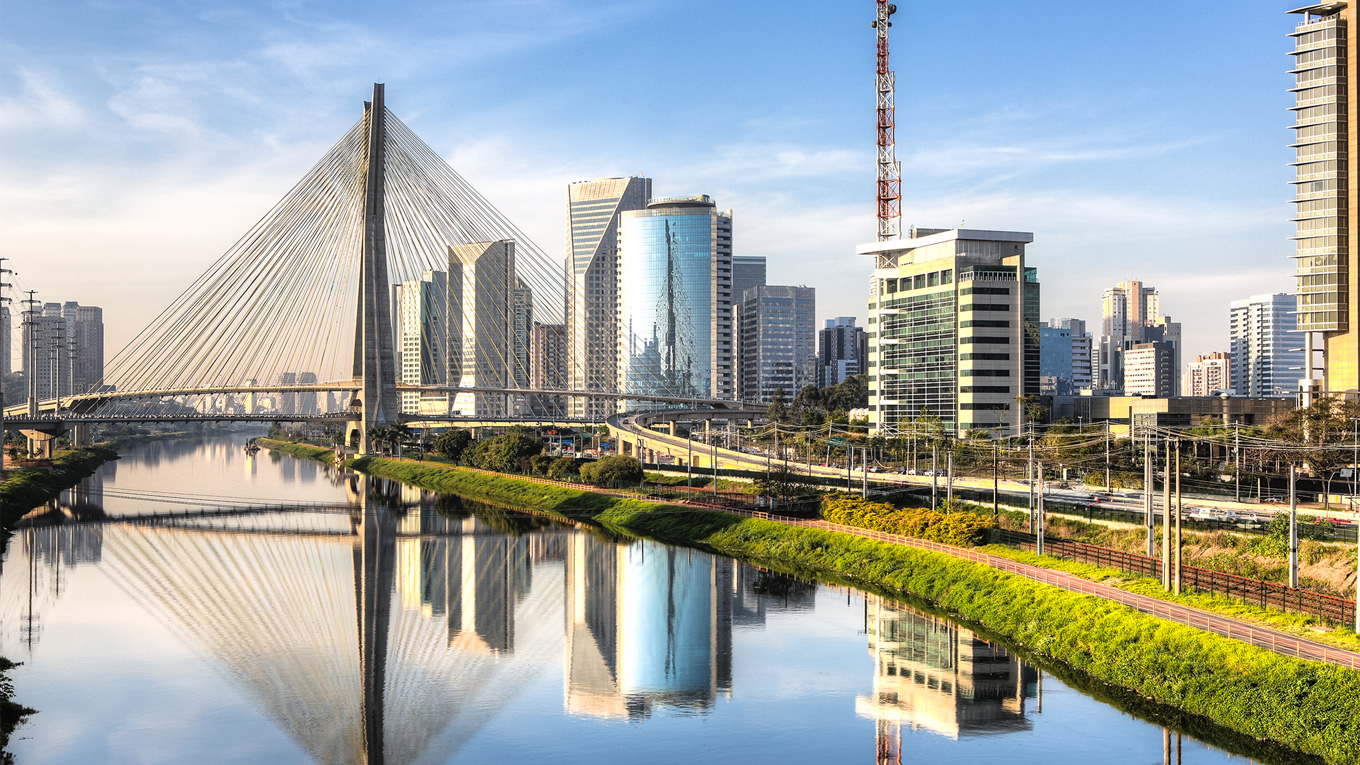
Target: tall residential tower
1327, 289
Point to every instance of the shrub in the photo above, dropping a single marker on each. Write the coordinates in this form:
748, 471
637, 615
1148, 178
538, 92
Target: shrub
612, 470
540, 463
563, 469
963, 529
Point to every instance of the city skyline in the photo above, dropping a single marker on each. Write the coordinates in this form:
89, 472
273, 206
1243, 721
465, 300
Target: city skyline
165, 146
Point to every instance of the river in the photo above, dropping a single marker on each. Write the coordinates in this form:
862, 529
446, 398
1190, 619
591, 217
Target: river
375, 623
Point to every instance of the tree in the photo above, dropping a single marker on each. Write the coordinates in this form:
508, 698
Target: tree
452, 443
612, 470
778, 410
509, 453
781, 483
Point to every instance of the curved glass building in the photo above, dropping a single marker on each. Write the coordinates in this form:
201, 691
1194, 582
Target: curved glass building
675, 299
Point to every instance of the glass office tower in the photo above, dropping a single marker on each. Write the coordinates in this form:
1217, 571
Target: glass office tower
675, 299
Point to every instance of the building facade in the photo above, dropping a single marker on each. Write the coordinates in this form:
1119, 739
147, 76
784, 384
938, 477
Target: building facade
1055, 361
1149, 370
420, 330
776, 342
747, 271
1327, 289
675, 299
593, 209
953, 330
482, 348
842, 351
63, 349
1082, 350
1209, 375
1265, 346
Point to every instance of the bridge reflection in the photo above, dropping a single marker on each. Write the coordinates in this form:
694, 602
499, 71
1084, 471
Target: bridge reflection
394, 631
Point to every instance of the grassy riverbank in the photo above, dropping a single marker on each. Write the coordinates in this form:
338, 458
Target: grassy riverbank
25, 489
1309, 707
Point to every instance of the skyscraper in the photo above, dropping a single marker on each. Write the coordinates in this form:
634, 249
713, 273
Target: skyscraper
1131, 315
675, 299
842, 351
481, 292
1328, 295
593, 209
776, 342
953, 330
1264, 345
63, 349
421, 335
1055, 361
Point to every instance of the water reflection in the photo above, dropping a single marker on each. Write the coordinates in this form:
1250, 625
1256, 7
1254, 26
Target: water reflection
399, 626
934, 675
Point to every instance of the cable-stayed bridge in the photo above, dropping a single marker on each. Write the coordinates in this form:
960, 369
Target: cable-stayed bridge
382, 288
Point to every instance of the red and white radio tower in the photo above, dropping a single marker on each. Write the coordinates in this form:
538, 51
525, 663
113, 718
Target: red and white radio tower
889, 169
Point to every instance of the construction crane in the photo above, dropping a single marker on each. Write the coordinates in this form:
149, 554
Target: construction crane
889, 169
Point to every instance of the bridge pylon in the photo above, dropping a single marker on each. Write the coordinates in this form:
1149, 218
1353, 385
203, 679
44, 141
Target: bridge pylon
374, 353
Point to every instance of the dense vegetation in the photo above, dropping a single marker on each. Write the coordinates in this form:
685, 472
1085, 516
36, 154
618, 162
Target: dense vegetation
962, 529
24, 490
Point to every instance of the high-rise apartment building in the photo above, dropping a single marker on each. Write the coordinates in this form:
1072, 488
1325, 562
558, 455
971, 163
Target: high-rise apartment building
953, 330
776, 342
1265, 346
1208, 375
747, 271
1131, 315
842, 351
421, 335
63, 350
1328, 296
1149, 369
482, 290
548, 366
675, 299
593, 209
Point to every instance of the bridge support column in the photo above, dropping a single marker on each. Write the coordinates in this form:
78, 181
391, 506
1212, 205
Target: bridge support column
39, 444
80, 434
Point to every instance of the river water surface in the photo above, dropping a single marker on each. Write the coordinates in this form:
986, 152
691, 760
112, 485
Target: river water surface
379, 624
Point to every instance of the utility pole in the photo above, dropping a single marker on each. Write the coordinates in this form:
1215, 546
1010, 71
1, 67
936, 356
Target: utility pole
1178, 520
1039, 537
1171, 444
1108, 486
949, 477
713, 446
864, 469
3, 299
995, 481
31, 359
1030, 492
934, 475
1294, 530
1237, 463
1148, 474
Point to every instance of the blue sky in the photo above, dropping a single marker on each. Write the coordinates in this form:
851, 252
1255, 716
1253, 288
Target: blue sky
1146, 140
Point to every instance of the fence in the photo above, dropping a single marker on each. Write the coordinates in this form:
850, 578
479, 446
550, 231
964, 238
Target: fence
1262, 637
1256, 591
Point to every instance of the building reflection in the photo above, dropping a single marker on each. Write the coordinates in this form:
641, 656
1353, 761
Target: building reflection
648, 626
935, 676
